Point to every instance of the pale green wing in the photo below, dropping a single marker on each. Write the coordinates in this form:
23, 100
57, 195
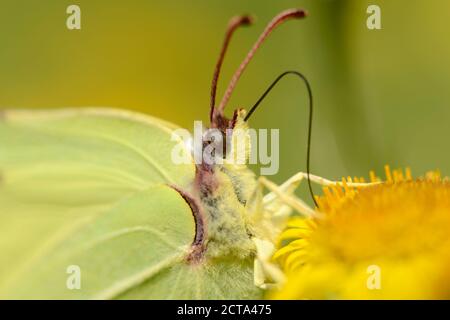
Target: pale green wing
124, 246
62, 170
133, 249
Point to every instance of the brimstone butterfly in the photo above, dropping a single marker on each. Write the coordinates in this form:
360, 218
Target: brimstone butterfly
94, 190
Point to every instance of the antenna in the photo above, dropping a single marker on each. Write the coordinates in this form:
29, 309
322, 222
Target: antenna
234, 23
277, 20
310, 97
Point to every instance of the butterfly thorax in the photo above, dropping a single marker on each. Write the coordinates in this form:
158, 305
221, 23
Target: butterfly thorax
223, 191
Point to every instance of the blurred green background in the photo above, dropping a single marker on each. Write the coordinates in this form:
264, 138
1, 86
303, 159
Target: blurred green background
381, 96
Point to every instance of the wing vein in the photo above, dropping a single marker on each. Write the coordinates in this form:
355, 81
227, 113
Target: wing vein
128, 283
124, 231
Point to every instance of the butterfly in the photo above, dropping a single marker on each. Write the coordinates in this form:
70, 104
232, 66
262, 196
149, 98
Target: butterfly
95, 190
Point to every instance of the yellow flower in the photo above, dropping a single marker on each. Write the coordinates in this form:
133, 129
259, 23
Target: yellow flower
389, 240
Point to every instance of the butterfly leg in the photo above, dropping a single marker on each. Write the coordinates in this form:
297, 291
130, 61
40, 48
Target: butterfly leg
285, 192
285, 195
297, 178
275, 209
266, 273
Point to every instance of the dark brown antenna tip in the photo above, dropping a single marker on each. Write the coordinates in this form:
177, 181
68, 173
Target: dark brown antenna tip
234, 23
277, 20
244, 20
